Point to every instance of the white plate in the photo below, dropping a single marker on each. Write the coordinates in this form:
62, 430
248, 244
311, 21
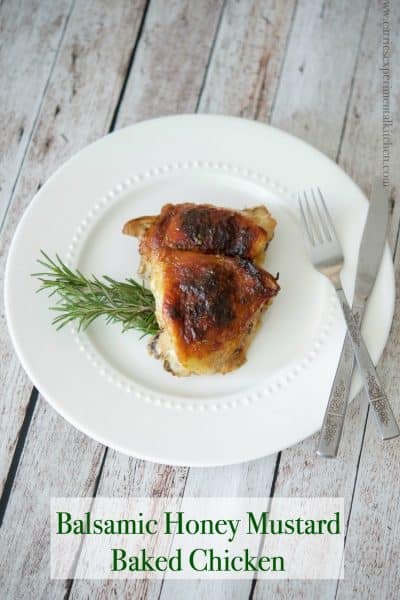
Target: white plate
105, 383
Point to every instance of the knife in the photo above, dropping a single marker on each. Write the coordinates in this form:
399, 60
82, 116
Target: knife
369, 259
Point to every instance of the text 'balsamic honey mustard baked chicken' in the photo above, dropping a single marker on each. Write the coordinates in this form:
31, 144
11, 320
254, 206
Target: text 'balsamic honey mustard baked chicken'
203, 265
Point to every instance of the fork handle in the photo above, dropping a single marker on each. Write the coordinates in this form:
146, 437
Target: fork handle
332, 426
376, 396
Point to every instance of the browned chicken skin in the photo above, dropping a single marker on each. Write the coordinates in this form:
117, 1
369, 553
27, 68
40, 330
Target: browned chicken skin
205, 228
209, 294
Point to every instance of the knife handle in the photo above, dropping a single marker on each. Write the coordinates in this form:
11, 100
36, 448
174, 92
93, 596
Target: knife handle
379, 403
332, 426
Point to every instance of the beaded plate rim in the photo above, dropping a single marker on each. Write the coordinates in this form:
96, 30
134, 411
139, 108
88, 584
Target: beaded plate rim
284, 377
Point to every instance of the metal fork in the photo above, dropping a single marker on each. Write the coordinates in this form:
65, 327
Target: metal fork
327, 257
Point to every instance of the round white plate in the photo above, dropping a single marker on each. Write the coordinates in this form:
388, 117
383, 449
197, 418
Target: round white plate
105, 383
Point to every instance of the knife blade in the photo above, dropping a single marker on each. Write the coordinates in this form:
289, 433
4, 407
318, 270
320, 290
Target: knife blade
372, 243
369, 259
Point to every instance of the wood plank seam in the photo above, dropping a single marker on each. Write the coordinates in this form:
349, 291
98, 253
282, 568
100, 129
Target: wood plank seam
37, 116
264, 537
352, 495
288, 37
172, 540
210, 56
23, 432
349, 97
69, 582
129, 67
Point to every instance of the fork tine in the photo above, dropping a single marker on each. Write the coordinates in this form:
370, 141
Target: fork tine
305, 223
332, 229
324, 224
314, 225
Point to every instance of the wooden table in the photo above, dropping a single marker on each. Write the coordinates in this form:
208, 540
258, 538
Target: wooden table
73, 70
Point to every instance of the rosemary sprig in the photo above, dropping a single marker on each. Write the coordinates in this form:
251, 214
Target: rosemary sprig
84, 299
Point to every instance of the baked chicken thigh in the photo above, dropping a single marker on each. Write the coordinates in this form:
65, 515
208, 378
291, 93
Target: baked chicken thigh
202, 265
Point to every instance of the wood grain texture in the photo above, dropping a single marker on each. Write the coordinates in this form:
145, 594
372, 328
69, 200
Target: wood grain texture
329, 94
243, 76
171, 60
248, 479
124, 476
28, 30
372, 552
312, 99
25, 547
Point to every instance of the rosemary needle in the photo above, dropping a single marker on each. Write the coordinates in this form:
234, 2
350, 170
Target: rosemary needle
84, 299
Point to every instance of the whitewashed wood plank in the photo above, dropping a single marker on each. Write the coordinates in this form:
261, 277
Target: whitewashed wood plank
28, 30
171, 59
313, 93
78, 108
248, 479
372, 554
301, 473
46, 470
245, 68
123, 476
